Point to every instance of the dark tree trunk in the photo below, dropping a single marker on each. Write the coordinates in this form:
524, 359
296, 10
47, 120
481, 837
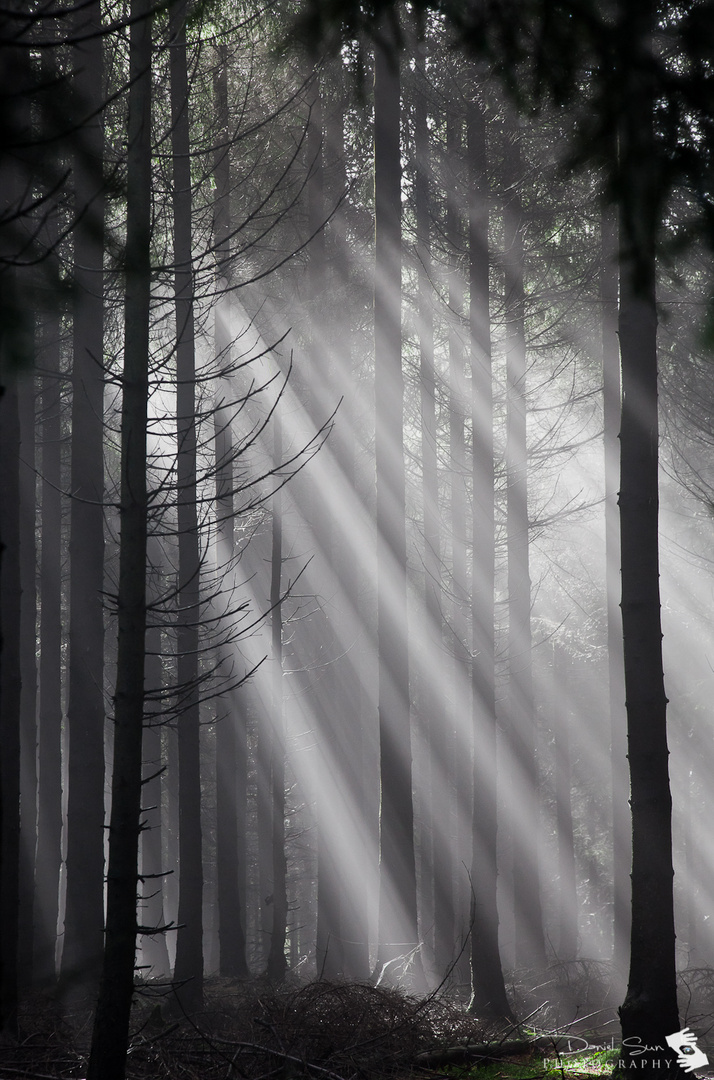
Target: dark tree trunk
170, 794
265, 832
48, 860
154, 951
691, 869
649, 1011
621, 854
16, 347
231, 733
430, 698
231, 777
329, 879
530, 944
188, 972
107, 1059
488, 988
398, 935
567, 885
650, 1007
354, 899
447, 863
460, 608
49, 824
84, 911
10, 691
332, 708
28, 678
277, 963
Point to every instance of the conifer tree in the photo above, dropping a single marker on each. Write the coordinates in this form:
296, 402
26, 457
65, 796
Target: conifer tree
107, 1060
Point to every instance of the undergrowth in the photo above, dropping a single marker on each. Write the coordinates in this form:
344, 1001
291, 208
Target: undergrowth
344, 1031
567, 1067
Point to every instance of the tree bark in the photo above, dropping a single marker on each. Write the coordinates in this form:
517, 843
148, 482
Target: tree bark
452, 753
264, 809
231, 734
10, 691
567, 884
277, 963
49, 824
328, 953
170, 794
84, 909
188, 971
28, 678
398, 935
354, 897
488, 991
460, 607
649, 1011
621, 853
154, 951
530, 944
110, 1035
16, 348
430, 701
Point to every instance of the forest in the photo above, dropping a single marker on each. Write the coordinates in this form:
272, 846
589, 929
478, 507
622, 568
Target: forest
356, 510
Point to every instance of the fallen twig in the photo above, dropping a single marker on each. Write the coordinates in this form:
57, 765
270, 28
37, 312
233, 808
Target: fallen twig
485, 1052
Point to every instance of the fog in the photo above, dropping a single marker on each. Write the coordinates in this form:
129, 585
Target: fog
385, 735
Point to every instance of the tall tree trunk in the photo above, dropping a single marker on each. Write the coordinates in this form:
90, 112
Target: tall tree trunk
170, 794
264, 830
530, 944
567, 886
16, 348
650, 1007
49, 823
84, 910
430, 697
110, 1035
10, 691
231, 732
649, 1011
354, 898
332, 708
690, 869
48, 860
446, 806
154, 950
621, 855
28, 679
398, 935
488, 988
188, 971
329, 884
231, 778
459, 645
277, 963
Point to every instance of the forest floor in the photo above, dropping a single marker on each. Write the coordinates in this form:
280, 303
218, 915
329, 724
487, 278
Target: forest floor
322, 1030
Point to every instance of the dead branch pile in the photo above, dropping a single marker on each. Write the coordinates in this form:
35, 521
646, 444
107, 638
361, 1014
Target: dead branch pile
326, 1031
329, 1031
49, 1045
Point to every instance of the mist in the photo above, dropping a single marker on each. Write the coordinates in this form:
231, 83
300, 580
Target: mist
316, 372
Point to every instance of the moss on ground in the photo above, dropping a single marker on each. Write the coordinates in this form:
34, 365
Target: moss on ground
537, 1067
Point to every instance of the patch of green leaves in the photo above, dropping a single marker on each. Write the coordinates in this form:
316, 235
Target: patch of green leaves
569, 1067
